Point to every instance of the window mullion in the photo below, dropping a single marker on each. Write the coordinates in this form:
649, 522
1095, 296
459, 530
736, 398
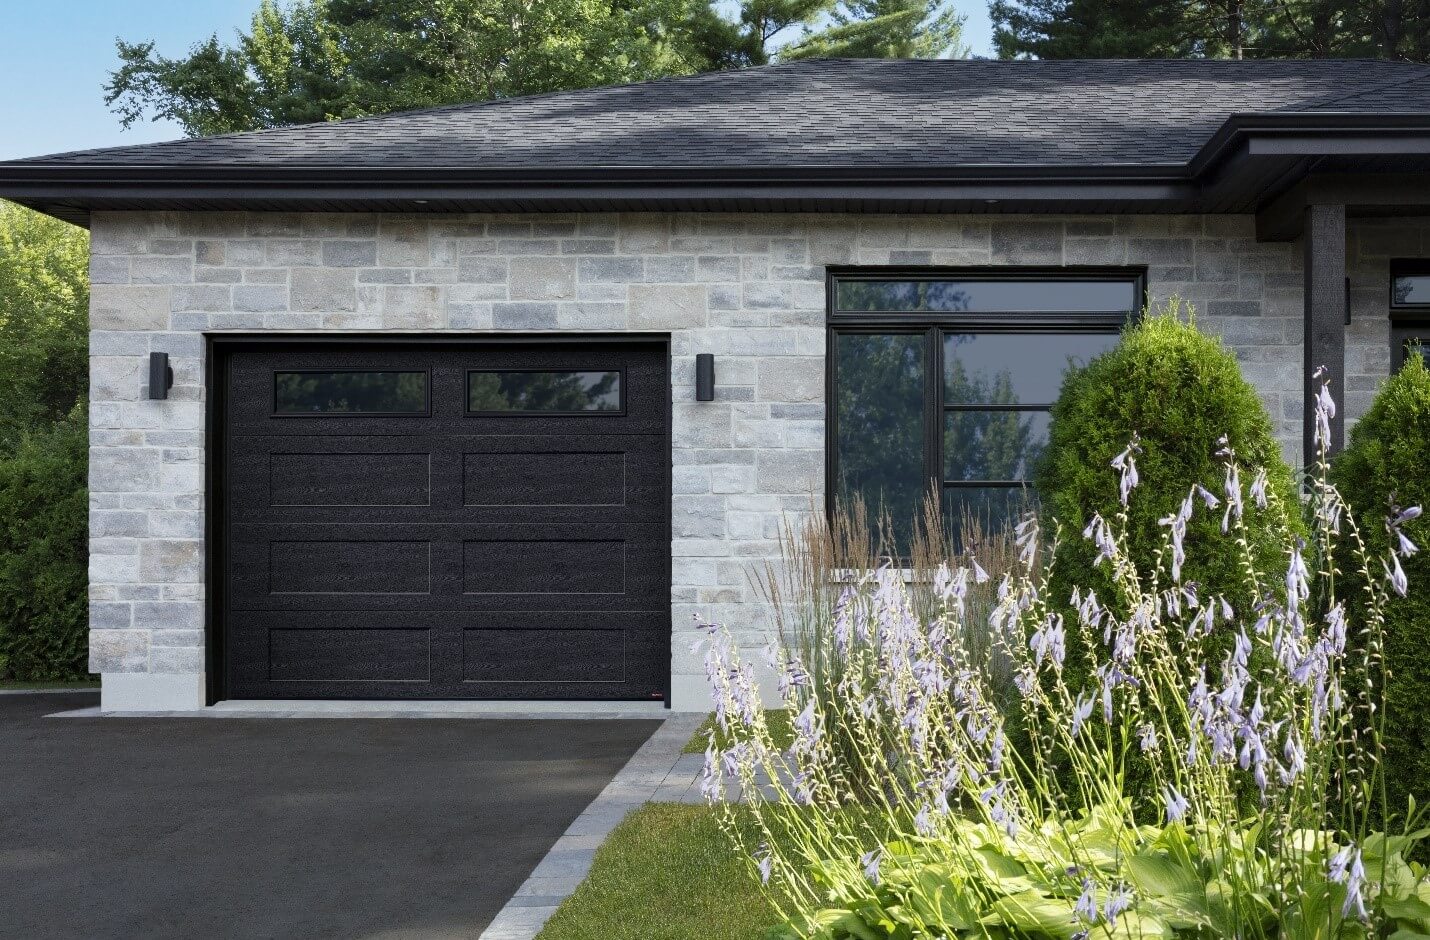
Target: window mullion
933, 412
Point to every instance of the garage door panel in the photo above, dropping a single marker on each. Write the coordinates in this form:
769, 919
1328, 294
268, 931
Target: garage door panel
469, 567
436, 654
582, 478
425, 521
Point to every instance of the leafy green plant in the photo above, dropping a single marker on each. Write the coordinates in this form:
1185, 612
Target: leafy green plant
1387, 466
44, 554
965, 835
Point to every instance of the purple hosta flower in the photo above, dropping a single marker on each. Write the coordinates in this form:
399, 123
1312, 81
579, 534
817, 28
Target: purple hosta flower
1026, 539
1396, 575
923, 822
870, 861
1297, 579
1086, 906
1147, 737
1111, 677
1254, 757
1049, 642
1100, 534
1232, 488
766, 863
1241, 650
1203, 623
1335, 635
1258, 488
1208, 497
1294, 759
1175, 803
979, 575
1082, 711
1346, 868
807, 730
1125, 464
1199, 702
1117, 902
995, 751
1024, 681
1403, 546
712, 781
793, 676
1226, 612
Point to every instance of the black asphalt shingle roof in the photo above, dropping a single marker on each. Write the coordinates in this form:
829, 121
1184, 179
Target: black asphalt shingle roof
835, 113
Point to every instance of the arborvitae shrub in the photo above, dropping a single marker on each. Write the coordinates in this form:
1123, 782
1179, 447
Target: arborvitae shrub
1388, 463
44, 554
1180, 391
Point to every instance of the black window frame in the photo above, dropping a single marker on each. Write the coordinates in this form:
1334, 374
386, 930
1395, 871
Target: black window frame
935, 325
513, 412
426, 411
1408, 321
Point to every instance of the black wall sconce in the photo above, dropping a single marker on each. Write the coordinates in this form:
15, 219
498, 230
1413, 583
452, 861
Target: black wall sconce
161, 377
705, 377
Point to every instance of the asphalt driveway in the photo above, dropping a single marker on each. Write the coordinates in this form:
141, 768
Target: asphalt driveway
282, 827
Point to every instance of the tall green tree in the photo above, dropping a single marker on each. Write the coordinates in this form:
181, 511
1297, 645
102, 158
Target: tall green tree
1063, 29
44, 320
885, 29
318, 60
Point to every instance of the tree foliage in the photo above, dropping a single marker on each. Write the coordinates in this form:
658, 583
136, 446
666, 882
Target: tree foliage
315, 60
44, 502
885, 29
1139, 29
1386, 465
44, 553
44, 320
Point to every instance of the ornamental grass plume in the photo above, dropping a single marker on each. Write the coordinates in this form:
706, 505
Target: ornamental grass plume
901, 810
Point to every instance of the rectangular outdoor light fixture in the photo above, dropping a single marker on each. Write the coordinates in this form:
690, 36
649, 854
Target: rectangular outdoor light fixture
705, 377
161, 377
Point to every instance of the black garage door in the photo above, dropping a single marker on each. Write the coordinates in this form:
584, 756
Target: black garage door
445, 521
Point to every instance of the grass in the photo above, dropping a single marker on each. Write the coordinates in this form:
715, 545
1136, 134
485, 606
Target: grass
781, 732
667, 872
8, 686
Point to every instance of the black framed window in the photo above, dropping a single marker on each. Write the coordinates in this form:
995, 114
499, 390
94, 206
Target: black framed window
349, 392
943, 381
1409, 308
567, 391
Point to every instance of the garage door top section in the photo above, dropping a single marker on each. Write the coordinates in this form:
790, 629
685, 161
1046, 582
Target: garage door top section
474, 521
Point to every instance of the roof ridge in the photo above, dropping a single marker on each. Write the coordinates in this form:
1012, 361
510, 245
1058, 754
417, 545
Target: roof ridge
1422, 71
442, 108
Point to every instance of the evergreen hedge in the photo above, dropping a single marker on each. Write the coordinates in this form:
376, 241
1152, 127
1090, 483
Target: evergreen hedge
1388, 462
44, 554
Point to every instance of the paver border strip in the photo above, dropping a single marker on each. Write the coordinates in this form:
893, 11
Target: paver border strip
659, 770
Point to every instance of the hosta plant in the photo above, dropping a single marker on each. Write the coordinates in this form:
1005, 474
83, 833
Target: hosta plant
1263, 752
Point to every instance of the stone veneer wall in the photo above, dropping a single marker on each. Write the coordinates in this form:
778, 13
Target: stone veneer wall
749, 288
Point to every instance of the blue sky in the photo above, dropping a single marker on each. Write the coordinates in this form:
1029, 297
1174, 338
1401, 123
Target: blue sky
56, 55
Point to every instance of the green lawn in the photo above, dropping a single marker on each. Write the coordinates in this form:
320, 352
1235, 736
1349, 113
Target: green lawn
667, 872
780, 730
28, 686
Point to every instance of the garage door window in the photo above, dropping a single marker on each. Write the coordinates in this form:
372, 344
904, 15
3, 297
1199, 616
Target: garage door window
574, 392
350, 392
944, 384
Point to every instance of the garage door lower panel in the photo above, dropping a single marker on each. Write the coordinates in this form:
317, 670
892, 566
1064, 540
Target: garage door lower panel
445, 552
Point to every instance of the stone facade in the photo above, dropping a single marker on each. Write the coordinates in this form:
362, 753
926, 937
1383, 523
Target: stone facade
749, 288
